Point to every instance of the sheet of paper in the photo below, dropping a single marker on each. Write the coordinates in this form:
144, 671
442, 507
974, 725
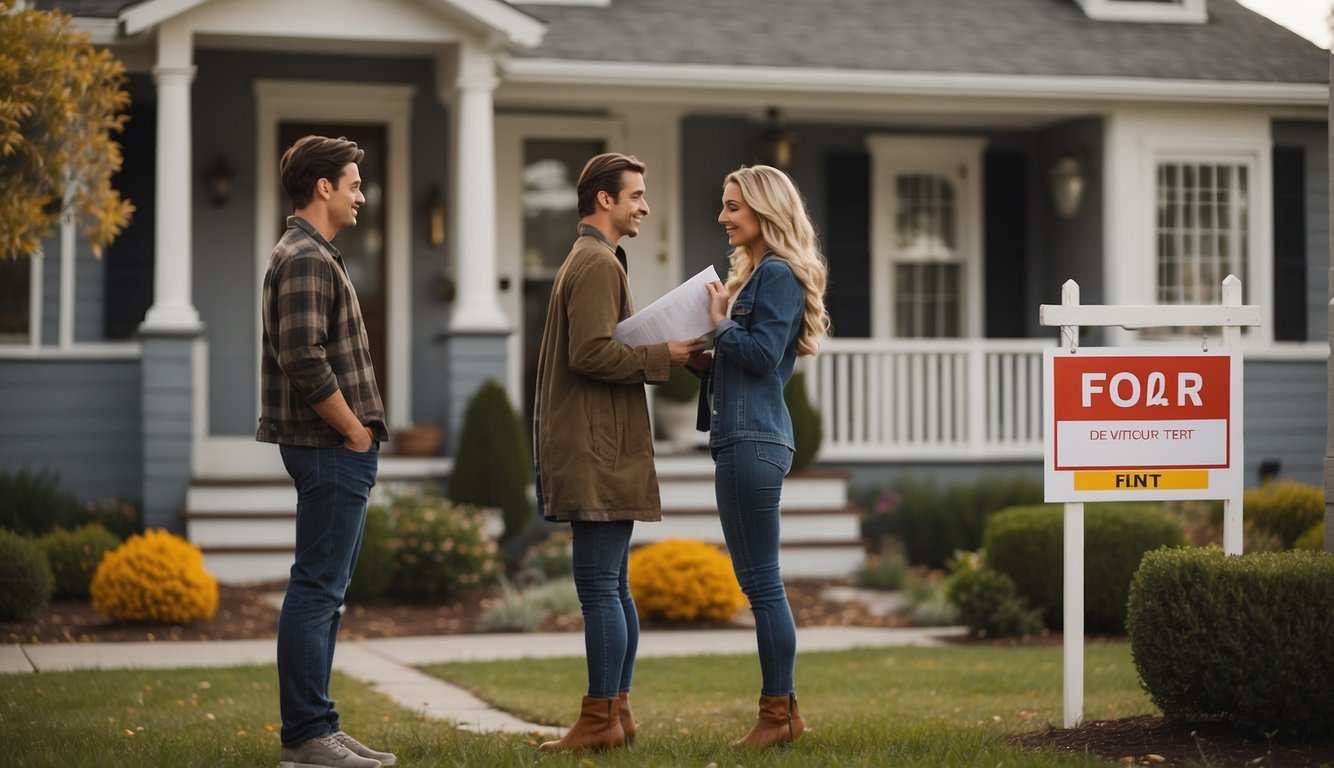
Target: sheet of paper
681, 315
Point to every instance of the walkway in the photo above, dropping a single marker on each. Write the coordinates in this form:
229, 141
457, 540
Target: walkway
389, 664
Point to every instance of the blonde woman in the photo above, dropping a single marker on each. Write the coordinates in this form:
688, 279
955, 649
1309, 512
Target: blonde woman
770, 311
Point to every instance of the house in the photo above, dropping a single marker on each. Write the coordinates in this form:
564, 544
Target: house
961, 160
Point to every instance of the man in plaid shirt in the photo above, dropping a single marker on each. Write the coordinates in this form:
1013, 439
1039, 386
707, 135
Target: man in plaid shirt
321, 405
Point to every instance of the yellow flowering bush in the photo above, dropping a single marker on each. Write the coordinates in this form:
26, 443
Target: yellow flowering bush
684, 580
155, 577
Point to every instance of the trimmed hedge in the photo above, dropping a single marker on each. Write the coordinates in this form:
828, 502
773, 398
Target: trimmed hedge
1027, 544
74, 557
1249, 638
1287, 509
493, 465
25, 577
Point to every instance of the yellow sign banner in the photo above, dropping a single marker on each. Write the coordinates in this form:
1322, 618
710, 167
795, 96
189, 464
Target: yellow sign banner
1151, 480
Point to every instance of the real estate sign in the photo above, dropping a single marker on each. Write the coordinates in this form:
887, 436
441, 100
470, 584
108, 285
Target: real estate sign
1141, 424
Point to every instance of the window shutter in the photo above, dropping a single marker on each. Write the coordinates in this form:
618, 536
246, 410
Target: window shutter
1289, 244
847, 242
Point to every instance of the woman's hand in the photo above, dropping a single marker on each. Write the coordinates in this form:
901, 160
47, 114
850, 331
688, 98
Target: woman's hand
717, 302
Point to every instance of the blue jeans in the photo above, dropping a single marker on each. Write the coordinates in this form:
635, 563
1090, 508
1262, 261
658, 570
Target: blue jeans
333, 486
748, 481
611, 626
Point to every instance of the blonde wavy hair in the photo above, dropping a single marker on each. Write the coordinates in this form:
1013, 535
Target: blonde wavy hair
787, 230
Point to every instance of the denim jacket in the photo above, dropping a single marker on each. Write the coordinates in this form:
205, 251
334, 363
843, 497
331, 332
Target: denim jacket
753, 355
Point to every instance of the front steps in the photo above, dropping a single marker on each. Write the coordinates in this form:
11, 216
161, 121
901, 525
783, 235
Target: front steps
246, 528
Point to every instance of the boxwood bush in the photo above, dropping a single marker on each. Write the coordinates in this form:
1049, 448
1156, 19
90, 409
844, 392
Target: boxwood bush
1027, 544
1248, 638
25, 577
74, 557
1284, 508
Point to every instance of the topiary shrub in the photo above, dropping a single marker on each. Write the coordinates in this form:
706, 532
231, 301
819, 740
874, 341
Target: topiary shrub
375, 560
807, 433
25, 577
681, 386
684, 580
74, 556
1284, 508
155, 576
987, 600
439, 548
1027, 544
1246, 638
493, 466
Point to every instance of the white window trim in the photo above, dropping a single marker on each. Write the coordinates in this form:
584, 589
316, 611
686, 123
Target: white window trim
886, 158
1180, 12
1258, 280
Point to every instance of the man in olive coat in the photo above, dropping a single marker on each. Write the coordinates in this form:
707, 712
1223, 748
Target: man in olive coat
593, 445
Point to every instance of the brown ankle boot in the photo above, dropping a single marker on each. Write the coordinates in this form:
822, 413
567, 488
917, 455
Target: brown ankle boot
779, 722
627, 718
598, 727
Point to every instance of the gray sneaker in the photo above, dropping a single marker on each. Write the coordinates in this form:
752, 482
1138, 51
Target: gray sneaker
385, 758
323, 752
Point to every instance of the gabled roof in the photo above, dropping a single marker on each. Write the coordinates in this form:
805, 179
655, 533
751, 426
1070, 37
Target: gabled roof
994, 37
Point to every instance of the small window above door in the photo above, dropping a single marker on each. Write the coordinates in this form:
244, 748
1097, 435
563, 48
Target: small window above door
1148, 11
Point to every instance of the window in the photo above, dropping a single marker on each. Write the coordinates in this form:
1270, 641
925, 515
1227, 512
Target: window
15, 300
1152, 11
926, 270
1203, 229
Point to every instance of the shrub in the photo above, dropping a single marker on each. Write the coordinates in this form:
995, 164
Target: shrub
681, 386
1244, 638
1284, 508
934, 522
439, 548
806, 427
552, 556
1027, 544
684, 580
374, 569
25, 577
32, 502
122, 518
988, 601
74, 556
887, 572
493, 466
513, 611
155, 576
1313, 540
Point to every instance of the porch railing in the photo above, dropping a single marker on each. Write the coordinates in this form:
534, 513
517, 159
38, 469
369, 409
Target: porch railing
929, 399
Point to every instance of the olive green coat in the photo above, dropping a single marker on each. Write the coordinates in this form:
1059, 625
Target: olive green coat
591, 432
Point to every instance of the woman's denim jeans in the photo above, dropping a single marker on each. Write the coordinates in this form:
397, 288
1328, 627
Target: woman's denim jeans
333, 486
748, 480
611, 626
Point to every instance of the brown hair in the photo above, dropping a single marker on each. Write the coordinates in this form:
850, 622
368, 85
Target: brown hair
311, 158
604, 174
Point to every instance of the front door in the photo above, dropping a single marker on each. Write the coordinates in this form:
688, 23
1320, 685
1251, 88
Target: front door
363, 247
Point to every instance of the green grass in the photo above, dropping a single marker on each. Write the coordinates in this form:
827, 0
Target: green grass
896, 707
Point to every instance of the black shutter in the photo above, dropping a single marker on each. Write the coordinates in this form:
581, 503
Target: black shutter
1005, 207
1289, 244
129, 260
847, 242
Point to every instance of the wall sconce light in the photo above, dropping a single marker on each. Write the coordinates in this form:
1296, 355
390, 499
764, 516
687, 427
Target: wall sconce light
435, 217
221, 181
776, 146
1067, 177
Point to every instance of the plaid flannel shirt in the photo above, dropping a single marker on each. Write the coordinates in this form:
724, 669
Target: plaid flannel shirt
314, 343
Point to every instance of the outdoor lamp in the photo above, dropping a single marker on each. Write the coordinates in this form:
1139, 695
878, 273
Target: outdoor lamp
1067, 185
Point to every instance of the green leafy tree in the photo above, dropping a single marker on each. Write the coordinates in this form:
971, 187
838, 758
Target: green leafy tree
61, 99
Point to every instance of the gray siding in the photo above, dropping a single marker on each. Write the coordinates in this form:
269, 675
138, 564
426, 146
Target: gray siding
80, 418
1285, 418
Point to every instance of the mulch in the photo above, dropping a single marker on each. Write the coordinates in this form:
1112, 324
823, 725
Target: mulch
251, 613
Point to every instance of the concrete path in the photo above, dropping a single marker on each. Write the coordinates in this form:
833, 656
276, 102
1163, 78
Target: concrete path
389, 664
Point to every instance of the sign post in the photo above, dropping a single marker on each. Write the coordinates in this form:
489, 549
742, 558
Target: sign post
1133, 424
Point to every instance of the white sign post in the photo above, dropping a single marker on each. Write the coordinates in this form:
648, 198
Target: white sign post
1152, 423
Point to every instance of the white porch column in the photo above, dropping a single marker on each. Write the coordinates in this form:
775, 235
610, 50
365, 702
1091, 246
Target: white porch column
476, 306
173, 306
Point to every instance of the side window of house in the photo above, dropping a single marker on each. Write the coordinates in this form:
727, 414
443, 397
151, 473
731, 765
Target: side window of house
1203, 227
927, 265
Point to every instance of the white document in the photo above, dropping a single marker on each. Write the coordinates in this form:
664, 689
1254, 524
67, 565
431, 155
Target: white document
681, 315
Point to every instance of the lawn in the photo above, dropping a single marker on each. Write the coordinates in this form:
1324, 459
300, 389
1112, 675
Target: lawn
880, 707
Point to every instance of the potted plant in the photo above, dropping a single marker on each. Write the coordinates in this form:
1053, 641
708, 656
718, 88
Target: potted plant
674, 409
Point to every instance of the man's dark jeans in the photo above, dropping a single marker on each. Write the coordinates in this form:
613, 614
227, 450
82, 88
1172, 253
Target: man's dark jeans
333, 486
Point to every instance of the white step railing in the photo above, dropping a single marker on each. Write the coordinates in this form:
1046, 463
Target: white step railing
933, 399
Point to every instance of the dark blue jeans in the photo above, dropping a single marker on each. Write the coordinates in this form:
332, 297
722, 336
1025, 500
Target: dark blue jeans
333, 486
748, 481
611, 627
